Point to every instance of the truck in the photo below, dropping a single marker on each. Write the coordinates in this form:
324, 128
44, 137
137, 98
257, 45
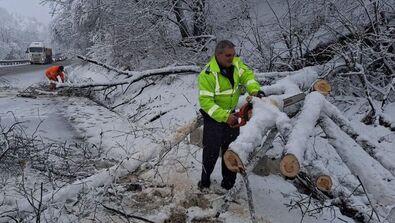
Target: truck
39, 53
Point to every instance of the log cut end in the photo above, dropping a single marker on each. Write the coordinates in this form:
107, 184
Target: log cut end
324, 183
322, 86
289, 166
233, 162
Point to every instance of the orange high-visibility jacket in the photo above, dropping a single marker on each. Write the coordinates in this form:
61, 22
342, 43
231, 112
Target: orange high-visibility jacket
53, 72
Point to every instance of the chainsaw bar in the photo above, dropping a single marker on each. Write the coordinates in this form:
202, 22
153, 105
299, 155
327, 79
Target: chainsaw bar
293, 99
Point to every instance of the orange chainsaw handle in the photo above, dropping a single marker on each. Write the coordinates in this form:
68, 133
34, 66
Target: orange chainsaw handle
243, 115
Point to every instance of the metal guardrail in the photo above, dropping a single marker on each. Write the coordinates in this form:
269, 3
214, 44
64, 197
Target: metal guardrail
12, 62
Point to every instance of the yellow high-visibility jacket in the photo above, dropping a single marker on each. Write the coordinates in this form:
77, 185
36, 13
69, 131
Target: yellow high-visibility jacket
217, 97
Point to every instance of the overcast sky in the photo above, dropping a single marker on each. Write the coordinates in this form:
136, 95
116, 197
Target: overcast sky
28, 8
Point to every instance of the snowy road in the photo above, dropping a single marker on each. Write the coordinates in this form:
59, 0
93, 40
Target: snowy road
23, 76
44, 113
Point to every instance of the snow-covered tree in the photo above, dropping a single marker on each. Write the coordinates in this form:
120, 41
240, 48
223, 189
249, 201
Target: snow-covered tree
17, 33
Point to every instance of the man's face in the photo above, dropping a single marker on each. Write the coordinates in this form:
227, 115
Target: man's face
225, 58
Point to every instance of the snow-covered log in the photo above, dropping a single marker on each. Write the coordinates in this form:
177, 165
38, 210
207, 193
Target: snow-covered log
304, 126
265, 116
362, 139
292, 84
107, 176
135, 76
267, 110
378, 181
251, 134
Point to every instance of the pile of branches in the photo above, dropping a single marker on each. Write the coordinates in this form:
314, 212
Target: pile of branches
54, 160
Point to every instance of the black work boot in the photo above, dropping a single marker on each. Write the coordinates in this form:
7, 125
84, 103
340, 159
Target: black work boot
203, 187
227, 185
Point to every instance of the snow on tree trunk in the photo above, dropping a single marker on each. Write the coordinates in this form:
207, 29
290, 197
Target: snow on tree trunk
362, 139
292, 84
304, 126
265, 116
107, 176
135, 76
378, 181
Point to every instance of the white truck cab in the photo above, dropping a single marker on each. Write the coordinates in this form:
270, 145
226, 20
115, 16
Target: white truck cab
39, 53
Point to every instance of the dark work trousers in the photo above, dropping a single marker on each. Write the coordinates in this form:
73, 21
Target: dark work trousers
216, 137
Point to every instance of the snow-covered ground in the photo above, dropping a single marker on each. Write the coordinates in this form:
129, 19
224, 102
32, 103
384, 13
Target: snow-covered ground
126, 159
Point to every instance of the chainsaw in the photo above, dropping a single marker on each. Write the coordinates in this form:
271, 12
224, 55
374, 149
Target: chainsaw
245, 112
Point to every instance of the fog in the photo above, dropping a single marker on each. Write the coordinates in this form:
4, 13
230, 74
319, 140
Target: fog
28, 8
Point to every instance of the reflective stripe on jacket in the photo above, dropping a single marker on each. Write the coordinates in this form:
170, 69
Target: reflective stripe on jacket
217, 97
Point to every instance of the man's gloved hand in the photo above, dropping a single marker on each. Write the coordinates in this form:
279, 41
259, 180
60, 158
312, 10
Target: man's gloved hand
233, 162
232, 120
259, 94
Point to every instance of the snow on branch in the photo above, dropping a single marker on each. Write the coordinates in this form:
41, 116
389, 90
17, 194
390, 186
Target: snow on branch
91, 84
135, 77
160, 71
107, 176
103, 65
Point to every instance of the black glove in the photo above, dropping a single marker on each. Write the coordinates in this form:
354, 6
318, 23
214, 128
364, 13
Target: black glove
260, 94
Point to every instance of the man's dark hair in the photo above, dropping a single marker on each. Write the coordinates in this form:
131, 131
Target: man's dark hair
61, 68
222, 45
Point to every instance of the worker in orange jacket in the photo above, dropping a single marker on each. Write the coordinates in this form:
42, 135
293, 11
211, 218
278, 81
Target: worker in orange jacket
54, 73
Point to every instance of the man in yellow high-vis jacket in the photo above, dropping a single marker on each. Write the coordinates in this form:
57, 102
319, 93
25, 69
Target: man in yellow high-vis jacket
219, 92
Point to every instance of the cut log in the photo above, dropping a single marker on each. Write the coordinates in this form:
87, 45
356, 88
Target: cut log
305, 184
292, 83
378, 181
233, 161
322, 86
304, 126
255, 130
371, 147
289, 166
323, 183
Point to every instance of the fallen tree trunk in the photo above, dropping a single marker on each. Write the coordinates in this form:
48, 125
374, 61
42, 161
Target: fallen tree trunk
266, 144
379, 182
137, 76
304, 126
104, 177
291, 84
267, 116
362, 139
160, 71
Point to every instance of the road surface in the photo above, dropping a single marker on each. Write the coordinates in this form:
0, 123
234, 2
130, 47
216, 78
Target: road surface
44, 115
22, 76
